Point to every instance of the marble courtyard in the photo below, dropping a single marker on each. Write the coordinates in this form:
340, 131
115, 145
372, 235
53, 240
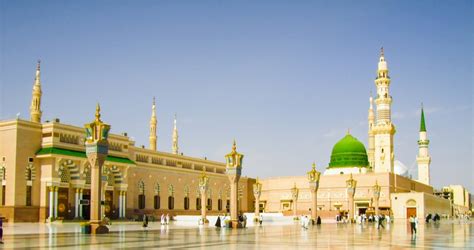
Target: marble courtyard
272, 235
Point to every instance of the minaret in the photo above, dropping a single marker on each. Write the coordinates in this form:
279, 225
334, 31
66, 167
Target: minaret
35, 108
371, 119
152, 137
383, 129
175, 148
423, 159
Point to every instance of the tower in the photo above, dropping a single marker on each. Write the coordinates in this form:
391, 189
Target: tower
371, 119
175, 148
35, 108
423, 159
153, 122
384, 128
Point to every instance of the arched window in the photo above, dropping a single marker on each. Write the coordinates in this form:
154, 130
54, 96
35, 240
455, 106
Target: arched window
170, 197
170, 202
157, 201
141, 195
157, 198
209, 204
198, 203
186, 203
219, 204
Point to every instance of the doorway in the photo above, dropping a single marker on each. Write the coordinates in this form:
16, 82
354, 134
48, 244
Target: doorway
86, 209
411, 211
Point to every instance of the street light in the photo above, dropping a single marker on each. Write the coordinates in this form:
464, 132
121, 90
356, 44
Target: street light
203, 186
294, 195
257, 191
233, 172
351, 187
313, 179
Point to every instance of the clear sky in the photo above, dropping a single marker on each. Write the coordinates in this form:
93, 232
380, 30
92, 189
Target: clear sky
286, 79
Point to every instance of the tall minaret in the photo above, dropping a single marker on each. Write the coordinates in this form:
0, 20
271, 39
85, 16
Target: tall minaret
152, 137
35, 108
423, 159
371, 119
384, 129
175, 148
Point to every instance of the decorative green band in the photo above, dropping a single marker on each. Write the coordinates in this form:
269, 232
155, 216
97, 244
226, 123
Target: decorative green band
61, 151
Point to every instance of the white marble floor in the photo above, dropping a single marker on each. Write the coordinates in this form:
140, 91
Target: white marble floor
448, 234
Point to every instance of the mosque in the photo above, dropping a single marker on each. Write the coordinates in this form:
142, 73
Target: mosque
379, 183
46, 175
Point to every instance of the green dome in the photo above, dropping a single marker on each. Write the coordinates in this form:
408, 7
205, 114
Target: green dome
349, 152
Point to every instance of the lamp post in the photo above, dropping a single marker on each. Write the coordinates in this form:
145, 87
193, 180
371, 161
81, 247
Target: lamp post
351, 186
233, 172
203, 186
257, 191
376, 189
97, 147
313, 179
294, 196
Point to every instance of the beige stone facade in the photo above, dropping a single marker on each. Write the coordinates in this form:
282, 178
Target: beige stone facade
332, 193
44, 165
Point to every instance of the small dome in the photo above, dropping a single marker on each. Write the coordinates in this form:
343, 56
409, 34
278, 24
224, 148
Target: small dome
349, 152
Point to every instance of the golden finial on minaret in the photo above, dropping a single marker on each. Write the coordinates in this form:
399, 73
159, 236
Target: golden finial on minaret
381, 52
234, 146
97, 112
38, 65
314, 165
35, 107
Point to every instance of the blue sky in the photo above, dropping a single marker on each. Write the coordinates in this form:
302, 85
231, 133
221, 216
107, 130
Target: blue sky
285, 79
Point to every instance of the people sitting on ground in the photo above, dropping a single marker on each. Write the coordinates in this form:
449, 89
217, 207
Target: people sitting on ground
428, 218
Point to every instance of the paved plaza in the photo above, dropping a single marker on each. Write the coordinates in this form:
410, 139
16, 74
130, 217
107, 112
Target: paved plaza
448, 234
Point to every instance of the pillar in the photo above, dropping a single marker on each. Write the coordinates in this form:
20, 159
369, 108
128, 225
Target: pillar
233, 200
120, 205
51, 203
314, 204
351, 208
76, 203
81, 192
96, 190
55, 209
203, 205
377, 207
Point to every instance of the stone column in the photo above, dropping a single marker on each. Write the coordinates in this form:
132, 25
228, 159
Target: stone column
233, 172
294, 195
351, 187
80, 205
102, 196
203, 187
120, 204
257, 191
124, 204
76, 203
313, 179
51, 203
234, 216
56, 189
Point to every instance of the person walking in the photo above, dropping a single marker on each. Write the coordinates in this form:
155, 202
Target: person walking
260, 219
162, 220
412, 225
167, 219
145, 221
381, 218
318, 221
218, 221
